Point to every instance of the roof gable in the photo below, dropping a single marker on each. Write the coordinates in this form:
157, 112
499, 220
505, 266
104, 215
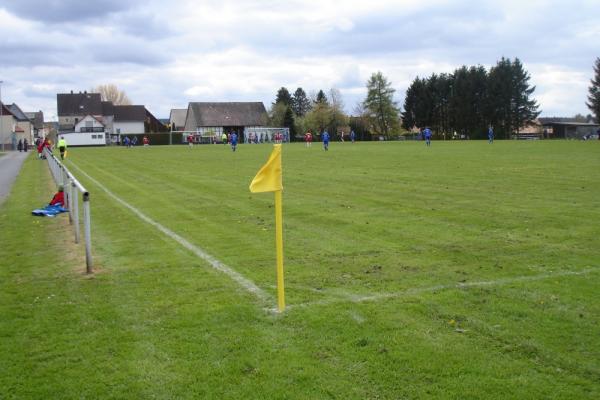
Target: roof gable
89, 118
177, 117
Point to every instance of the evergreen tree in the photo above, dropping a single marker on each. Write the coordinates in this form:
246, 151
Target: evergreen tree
380, 104
288, 122
321, 98
300, 102
524, 109
284, 97
509, 105
594, 90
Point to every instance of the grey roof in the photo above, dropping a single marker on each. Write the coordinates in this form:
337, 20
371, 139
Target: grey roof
177, 117
225, 114
37, 117
17, 112
78, 104
130, 113
107, 108
572, 123
554, 120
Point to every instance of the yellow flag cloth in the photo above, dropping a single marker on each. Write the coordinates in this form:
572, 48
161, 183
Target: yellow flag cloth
268, 178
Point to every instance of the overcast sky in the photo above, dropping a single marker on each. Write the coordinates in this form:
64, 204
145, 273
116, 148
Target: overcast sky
164, 54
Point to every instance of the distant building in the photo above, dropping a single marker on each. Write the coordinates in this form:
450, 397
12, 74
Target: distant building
177, 119
72, 107
116, 119
23, 127
37, 120
567, 128
214, 119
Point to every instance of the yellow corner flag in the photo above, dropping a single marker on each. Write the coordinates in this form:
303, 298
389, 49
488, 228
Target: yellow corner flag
268, 179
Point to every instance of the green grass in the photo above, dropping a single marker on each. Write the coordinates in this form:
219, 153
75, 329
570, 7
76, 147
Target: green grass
420, 229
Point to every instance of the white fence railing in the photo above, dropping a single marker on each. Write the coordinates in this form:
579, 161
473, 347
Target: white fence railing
72, 189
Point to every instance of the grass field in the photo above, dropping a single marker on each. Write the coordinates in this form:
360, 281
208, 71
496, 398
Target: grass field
464, 270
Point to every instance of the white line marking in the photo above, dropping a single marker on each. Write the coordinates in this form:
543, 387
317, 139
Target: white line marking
216, 264
354, 298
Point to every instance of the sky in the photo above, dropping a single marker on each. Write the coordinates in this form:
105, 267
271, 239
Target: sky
165, 54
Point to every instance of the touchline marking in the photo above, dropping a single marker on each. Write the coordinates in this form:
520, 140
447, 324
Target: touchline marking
216, 264
354, 298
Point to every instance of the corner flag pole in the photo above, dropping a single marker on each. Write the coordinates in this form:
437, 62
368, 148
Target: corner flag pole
279, 246
269, 179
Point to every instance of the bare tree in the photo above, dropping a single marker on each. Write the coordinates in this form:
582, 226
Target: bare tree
112, 93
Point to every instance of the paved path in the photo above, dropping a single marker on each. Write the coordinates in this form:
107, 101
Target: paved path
10, 165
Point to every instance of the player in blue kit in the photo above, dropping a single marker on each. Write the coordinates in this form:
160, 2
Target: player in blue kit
490, 135
427, 135
234, 139
325, 140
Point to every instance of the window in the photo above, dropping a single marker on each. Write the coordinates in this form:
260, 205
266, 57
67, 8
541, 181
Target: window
89, 124
94, 136
100, 137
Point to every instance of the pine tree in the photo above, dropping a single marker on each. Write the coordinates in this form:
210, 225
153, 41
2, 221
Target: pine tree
380, 104
594, 90
300, 102
321, 97
524, 109
288, 122
283, 96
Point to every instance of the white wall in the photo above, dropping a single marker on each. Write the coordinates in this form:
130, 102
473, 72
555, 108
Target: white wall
84, 139
7, 126
128, 127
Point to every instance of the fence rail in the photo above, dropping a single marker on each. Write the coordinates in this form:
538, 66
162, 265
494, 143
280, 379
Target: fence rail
73, 188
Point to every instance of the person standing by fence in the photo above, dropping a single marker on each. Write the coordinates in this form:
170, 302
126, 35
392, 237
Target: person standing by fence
62, 147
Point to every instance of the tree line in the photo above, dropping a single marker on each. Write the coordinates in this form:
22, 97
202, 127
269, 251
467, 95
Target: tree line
465, 102
378, 114
471, 99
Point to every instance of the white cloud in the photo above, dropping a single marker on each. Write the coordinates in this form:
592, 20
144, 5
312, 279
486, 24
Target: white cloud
167, 54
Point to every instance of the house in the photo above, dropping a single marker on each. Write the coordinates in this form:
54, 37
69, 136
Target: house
7, 123
177, 119
213, 119
116, 119
37, 120
23, 126
72, 107
129, 119
567, 128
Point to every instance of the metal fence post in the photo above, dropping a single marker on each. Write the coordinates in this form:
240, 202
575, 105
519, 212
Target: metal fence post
75, 207
70, 190
88, 232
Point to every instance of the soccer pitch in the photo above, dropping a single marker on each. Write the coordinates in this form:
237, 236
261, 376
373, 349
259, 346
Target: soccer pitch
463, 270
